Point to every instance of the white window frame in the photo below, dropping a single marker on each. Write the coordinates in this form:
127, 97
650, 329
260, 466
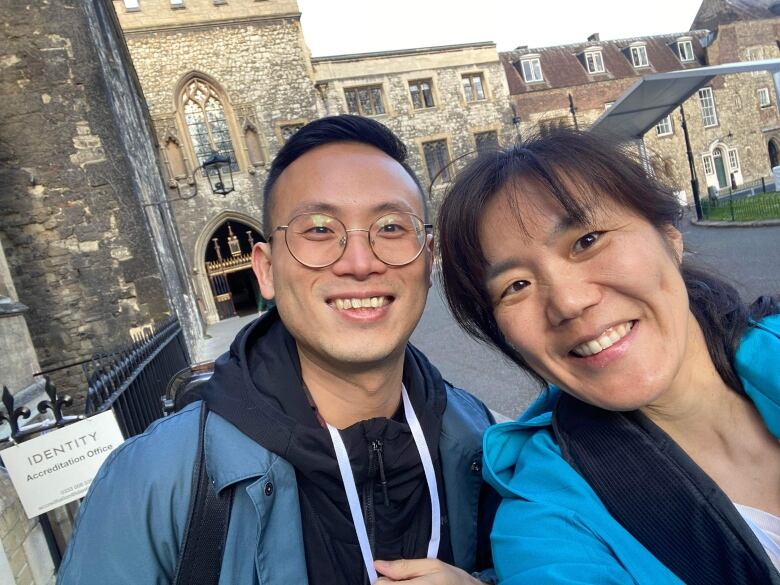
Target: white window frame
597, 61
685, 51
664, 127
709, 113
534, 68
709, 164
608, 105
177, 3
638, 53
733, 160
764, 101
132, 5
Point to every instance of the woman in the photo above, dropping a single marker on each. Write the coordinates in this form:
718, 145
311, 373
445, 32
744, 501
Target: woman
653, 457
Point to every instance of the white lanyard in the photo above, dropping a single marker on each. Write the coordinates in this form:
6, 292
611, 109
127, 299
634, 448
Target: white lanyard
354, 502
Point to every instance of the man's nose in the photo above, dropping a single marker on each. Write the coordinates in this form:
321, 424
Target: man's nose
570, 293
358, 259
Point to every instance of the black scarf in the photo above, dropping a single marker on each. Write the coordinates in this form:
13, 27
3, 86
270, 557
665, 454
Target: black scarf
651, 486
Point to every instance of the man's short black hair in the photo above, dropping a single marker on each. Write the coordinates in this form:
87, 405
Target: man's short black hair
343, 128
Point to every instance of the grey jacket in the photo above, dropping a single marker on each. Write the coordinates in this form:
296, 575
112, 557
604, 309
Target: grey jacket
132, 524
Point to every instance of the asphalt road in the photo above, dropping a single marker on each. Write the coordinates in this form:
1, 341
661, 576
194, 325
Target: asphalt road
750, 257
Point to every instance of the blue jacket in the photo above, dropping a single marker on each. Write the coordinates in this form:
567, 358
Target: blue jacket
137, 506
551, 526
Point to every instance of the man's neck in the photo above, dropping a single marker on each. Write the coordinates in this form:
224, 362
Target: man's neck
344, 397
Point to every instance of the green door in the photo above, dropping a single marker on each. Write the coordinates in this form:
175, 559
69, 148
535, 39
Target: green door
720, 169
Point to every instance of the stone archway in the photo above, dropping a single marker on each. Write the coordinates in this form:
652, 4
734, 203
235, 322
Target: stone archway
224, 277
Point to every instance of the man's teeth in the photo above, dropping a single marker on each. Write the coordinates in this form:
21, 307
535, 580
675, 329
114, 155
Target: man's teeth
366, 303
603, 341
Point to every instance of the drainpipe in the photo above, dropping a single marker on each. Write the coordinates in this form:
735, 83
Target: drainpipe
573, 111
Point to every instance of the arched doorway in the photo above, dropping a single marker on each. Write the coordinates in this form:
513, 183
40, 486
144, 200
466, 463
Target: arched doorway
773, 154
720, 168
228, 261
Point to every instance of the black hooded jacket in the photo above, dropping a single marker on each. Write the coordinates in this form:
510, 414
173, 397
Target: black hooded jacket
257, 386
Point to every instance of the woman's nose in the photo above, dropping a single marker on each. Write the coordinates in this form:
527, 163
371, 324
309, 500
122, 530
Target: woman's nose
569, 294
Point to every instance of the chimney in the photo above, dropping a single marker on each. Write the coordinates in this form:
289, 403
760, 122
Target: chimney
594, 37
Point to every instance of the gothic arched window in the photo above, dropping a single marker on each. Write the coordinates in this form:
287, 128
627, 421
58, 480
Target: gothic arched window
204, 115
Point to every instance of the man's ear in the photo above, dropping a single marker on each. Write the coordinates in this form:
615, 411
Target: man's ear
429, 244
261, 265
675, 240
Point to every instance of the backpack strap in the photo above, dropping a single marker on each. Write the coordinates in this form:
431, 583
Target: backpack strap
659, 494
200, 560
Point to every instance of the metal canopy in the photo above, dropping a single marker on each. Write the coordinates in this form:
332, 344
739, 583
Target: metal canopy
655, 96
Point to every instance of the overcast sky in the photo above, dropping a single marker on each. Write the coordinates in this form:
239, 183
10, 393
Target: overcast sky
334, 27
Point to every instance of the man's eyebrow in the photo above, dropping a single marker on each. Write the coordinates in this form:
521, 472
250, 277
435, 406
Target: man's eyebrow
330, 209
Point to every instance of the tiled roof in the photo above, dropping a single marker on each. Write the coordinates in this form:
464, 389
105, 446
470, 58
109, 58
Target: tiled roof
564, 65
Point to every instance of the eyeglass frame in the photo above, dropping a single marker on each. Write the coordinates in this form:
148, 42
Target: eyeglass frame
284, 228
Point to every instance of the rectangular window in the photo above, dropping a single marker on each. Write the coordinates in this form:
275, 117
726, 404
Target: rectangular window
131, 5
763, 97
532, 70
474, 87
422, 95
664, 126
685, 50
365, 101
639, 56
486, 141
708, 168
733, 160
608, 105
177, 3
707, 104
594, 61
437, 159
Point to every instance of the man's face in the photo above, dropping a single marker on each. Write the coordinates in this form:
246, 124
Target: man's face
356, 184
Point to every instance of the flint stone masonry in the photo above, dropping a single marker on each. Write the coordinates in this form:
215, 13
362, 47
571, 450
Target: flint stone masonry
66, 196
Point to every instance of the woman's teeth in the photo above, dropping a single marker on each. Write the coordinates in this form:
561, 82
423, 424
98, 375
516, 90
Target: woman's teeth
366, 303
603, 341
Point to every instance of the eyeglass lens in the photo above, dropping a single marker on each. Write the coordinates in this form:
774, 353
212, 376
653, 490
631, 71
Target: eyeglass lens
318, 240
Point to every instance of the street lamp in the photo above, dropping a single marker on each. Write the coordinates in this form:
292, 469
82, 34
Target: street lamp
219, 172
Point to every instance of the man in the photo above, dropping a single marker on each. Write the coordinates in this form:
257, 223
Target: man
341, 444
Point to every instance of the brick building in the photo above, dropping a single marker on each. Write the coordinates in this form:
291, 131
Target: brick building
733, 123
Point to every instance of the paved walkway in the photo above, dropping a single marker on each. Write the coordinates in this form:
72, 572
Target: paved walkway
219, 336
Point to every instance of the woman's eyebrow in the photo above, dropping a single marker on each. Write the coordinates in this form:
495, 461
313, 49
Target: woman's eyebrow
493, 270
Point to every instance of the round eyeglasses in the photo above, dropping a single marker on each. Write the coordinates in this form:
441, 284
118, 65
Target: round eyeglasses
317, 240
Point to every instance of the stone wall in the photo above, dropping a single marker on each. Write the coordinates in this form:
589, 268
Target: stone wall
77, 244
452, 117
263, 75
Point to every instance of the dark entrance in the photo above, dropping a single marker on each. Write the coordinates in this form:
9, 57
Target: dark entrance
229, 268
773, 158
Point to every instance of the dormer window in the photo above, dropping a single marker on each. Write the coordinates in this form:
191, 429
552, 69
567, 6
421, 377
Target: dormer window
532, 69
594, 61
639, 56
132, 5
685, 50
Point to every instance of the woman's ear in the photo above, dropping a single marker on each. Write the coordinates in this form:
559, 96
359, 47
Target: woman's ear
675, 240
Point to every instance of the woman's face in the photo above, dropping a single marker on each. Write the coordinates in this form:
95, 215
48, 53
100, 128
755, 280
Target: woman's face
599, 310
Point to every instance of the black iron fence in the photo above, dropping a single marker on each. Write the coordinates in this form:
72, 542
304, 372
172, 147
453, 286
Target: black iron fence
132, 380
749, 202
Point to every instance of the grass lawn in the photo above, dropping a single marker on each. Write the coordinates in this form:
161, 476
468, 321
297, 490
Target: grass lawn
764, 206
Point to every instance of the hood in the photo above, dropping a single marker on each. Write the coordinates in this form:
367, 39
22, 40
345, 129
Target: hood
509, 446
257, 387
758, 367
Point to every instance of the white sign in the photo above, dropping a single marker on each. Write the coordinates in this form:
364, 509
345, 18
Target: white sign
57, 467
